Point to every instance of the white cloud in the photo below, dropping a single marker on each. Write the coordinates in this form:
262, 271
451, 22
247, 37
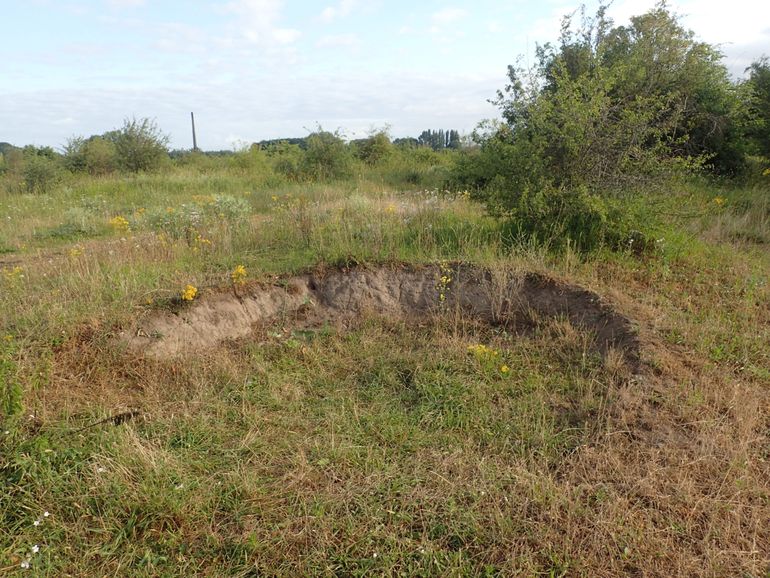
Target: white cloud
448, 16
126, 3
340, 10
285, 35
337, 40
64, 121
179, 38
258, 22
224, 112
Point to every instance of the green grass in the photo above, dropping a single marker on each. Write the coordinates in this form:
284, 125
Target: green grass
388, 449
311, 455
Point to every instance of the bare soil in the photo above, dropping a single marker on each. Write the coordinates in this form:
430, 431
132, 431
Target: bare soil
341, 296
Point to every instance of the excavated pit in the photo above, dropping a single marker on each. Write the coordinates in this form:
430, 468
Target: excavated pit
407, 292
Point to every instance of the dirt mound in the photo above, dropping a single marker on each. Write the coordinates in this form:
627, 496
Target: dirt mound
340, 296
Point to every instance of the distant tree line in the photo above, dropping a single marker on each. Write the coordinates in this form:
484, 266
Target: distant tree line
439, 139
140, 146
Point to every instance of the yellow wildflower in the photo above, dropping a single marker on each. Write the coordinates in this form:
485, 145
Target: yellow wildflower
481, 351
719, 201
504, 369
239, 275
120, 223
189, 293
200, 242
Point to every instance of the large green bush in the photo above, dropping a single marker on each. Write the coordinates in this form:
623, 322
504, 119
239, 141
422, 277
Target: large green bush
95, 155
375, 149
327, 157
286, 159
36, 170
140, 145
608, 110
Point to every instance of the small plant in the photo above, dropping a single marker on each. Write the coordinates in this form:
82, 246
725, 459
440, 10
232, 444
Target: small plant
189, 293
488, 359
482, 353
120, 224
234, 210
444, 281
200, 243
238, 275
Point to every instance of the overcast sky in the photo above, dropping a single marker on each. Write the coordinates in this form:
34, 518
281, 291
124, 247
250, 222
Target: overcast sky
259, 69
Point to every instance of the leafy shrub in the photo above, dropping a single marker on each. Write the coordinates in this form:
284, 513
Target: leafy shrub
419, 167
189, 220
375, 149
140, 145
327, 157
610, 109
96, 155
232, 209
101, 156
251, 160
196, 160
40, 173
181, 222
579, 218
286, 159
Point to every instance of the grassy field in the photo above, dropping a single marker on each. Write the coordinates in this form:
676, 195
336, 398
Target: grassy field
389, 446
